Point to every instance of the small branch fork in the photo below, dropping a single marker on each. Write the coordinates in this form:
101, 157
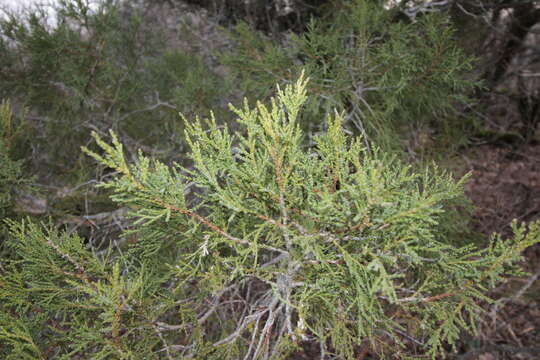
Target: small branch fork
152, 107
260, 313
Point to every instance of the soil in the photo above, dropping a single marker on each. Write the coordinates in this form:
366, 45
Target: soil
505, 185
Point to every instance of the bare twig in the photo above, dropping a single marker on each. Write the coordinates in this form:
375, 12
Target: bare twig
157, 104
166, 346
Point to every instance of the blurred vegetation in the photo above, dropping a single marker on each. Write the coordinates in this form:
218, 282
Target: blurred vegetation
96, 69
10, 170
399, 84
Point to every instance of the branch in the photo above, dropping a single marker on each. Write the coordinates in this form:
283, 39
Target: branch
149, 108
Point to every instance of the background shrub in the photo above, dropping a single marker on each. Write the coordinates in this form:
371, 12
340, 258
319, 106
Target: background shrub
397, 82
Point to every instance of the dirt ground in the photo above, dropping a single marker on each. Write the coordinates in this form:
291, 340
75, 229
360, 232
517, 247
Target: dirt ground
505, 185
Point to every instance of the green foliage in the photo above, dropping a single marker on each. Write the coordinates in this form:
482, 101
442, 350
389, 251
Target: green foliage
391, 78
10, 170
98, 68
70, 302
261, 244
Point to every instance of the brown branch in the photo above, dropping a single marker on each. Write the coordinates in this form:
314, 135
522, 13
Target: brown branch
202, 220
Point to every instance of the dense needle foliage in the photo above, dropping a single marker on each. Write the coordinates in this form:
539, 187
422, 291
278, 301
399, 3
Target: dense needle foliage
10, 170
94, 67
393, 79
261, 244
